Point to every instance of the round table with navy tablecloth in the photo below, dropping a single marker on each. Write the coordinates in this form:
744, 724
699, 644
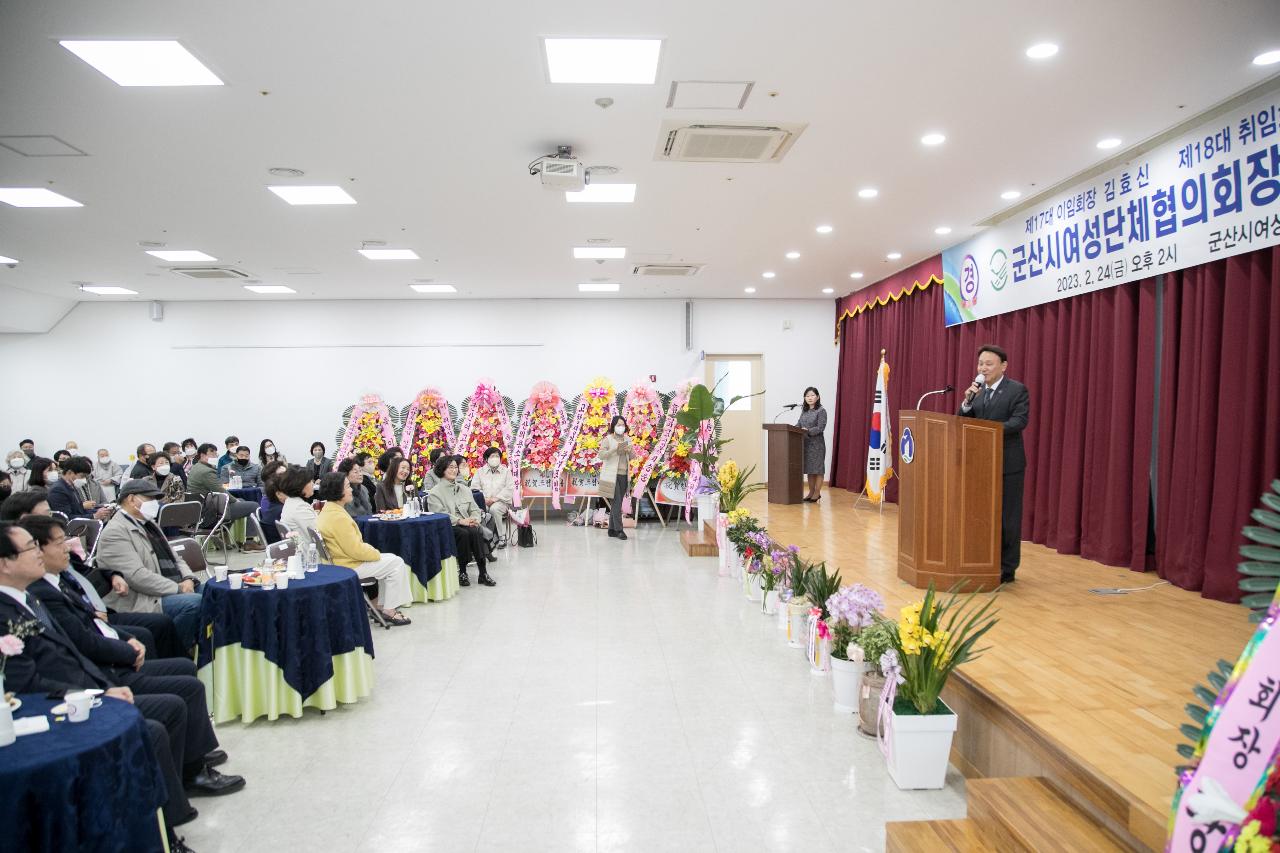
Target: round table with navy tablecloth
426, 544
267, 652
81, 786
249, 493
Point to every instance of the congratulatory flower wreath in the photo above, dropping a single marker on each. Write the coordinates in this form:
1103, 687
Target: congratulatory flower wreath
485, 425
368, 429
427, 425
642, 412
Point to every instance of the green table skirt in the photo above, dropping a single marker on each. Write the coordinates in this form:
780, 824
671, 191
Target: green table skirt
242, 683
443, 585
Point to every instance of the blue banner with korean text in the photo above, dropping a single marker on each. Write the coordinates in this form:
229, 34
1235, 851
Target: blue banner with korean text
1208, 194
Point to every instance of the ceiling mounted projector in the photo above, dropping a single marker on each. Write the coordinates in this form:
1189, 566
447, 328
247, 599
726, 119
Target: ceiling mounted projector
561, 171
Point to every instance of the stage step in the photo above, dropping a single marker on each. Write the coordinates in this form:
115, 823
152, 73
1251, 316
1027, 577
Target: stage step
699, 543
1028, 813
927, 836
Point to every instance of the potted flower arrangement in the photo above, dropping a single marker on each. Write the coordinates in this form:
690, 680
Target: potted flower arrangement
851, 610
875, 646
757, 562
933, 638
801, 601
774, 577
740, 523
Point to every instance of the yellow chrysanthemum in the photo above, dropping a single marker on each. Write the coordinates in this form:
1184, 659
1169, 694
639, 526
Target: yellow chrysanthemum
1250, 841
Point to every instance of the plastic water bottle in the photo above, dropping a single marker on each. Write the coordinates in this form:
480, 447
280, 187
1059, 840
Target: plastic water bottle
311, 558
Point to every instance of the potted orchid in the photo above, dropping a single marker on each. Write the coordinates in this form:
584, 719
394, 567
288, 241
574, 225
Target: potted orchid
851, 610
740, 523
775, 576
801, 601
757, 562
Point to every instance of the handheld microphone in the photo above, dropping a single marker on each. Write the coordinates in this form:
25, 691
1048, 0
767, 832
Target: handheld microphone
969, 394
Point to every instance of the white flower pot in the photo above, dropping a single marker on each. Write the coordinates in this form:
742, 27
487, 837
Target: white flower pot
771, 602
782, 617
707, 504
797, 625
724, 549
846, 684
751, 585
919, 749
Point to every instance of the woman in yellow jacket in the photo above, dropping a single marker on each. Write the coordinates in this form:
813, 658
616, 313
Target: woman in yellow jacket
347, 548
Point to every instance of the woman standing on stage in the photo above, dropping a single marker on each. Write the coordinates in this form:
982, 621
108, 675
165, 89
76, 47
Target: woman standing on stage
813, 420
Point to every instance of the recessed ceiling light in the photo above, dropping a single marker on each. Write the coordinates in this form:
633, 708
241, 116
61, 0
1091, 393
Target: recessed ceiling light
748, 290
855, 275
824, 229
598, 253
768, 274
4, 260
1109, 143
107, 290
181, 255
627, 61
434, 288
313, 195
269, 288
35, 197
144, 63
603, 194
828, 290
389, 254
598, 287
1271, 57
893, 256
1043, 50
1010, 195
932, 139
791, 256
942, 229
868, 192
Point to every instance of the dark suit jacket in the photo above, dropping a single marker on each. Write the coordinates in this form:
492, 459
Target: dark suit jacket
66, 499
48, 661
76, 619
1011, 405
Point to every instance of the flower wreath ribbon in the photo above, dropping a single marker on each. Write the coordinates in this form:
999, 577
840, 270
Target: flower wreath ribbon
368, 403
441, 407
695, 467
659, 451
566, 450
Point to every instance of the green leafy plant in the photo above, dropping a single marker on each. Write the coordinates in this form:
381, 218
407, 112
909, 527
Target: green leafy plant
740, 524
936, 636
734, 486
1262, 568
703, 405
821, 585
874, 642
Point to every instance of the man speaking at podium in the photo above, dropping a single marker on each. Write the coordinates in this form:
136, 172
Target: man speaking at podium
995, 397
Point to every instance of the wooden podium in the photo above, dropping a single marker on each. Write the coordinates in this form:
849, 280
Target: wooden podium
786, 463
949, 501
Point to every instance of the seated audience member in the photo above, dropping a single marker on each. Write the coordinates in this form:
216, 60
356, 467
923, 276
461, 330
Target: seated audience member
319, 464
61, 456
18, 504
296, 486
107, 474
267, 453
453, 497
140, 467
44, 472
346, 548
189, 446
250, 473
73, 447
395, 487
430, 479
495, 482
28, 448
384, 460
369, 466
6, 485
65, 495
16, 463
174, 451
272, 502
172, 487
230, 456
157, 578
164, 693
204, 480
360, 504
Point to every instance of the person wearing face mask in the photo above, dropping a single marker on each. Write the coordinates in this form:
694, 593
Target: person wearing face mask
174, 451
158, 580
44, 472
16, 465
60, 456
188, 455
66, 497
140, 467
495, 482
615, 473
73, 448
107, 474
166, 478
319, 464
267, 452
243, 467
205, 480
28, 448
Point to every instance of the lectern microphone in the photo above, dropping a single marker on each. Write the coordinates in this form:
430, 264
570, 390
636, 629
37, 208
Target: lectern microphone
946, 390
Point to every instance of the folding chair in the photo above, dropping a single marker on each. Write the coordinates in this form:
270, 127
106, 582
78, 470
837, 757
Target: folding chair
368, 585
184, 515
88, 530
191, 553
282, 550
216, 505
283, 530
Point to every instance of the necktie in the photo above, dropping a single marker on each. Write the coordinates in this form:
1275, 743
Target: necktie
43, 615
991, 392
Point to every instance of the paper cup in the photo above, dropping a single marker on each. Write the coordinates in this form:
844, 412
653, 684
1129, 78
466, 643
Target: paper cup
220, 573
236, 580
78, 706
282, 580
295, 565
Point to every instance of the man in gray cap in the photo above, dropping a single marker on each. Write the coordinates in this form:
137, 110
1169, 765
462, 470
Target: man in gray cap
157, 580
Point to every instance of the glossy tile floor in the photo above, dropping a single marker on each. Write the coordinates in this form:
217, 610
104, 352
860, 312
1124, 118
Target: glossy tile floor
605, 696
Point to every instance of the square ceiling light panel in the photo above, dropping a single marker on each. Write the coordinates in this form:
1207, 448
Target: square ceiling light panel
35, 197
144, 63
40, 146
313, 195
107, 290
624, 61
389, 254
708, 95
603, 194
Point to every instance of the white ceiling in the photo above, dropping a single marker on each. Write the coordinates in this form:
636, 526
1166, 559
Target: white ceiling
429, 112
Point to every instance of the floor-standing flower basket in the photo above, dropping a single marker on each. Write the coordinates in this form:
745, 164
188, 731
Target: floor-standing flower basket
708, 504
869, 701
919, 746
797, 622
846, 684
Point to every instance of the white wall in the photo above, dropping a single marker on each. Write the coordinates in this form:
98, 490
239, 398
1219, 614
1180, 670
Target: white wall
107, 376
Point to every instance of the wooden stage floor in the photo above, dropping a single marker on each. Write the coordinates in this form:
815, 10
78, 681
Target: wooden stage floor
1105, 677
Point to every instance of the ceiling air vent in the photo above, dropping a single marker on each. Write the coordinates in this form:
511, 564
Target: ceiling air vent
726, 143
666, 269
210, 273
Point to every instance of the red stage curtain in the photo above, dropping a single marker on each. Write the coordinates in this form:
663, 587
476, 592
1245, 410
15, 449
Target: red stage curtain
1219, 415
